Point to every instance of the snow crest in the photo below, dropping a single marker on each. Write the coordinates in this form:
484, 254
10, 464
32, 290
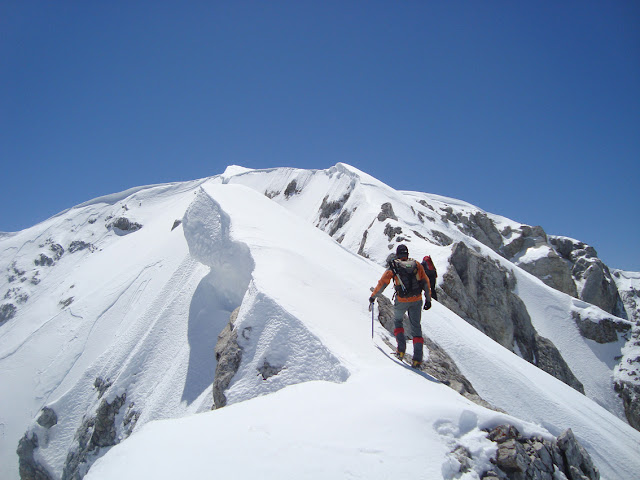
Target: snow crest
207, 230
278, 351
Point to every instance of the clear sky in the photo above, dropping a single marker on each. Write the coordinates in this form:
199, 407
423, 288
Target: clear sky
529, 110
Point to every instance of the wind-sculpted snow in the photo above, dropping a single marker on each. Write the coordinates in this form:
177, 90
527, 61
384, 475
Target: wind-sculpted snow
278, 350
206, 228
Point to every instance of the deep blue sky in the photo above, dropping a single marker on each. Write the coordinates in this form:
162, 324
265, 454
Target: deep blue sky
529, 110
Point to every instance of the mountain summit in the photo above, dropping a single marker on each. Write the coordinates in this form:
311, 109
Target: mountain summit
220, 327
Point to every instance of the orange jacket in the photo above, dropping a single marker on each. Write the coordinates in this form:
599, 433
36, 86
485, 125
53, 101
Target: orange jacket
388, 275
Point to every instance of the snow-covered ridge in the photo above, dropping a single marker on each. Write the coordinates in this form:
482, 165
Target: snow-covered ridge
122, 334
233, 170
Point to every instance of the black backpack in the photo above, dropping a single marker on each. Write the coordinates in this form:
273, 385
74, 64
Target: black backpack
406, 273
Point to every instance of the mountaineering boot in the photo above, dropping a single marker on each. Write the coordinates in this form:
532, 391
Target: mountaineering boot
401, 342
416, 364
418, 342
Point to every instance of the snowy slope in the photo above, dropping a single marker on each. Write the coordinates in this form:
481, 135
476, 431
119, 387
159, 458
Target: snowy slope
550, 310
147, 306
308, 425
125, 290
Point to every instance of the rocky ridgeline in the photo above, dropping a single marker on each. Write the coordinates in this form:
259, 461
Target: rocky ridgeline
535, 458
480, 291
569, 266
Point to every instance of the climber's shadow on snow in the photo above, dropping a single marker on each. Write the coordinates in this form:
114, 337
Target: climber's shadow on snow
206, 228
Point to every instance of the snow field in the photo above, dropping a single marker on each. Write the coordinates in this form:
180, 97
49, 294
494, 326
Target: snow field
148, 307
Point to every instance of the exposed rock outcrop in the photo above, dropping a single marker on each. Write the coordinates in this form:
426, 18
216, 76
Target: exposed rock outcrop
29, 468
480, 291
333, 216
56, 249
43, 261
603, 331
79, 245
554, 271
567, 265
363, 242
105, 428
560, 262
549, 359
391, 232
548, 266
47, 418
484, 230
228, 356
386, 212
536, 458
7, 312
591, 275
477, 225
329, 208
630, 394
600, 289
440, 238
95, 432
630, 297
267, 370
292, 189
123, 226
528, 237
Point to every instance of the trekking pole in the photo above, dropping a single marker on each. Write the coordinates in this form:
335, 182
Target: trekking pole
371, 309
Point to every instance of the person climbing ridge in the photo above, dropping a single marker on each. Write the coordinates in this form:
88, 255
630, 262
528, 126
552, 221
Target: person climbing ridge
432, 273
410, 280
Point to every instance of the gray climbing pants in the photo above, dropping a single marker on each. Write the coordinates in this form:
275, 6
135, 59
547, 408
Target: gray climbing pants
414, 310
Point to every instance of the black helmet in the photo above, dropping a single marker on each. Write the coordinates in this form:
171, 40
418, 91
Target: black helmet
402, 251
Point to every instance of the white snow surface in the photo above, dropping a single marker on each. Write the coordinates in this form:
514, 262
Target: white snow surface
147, 306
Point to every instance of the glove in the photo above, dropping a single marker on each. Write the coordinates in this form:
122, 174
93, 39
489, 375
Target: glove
427, 304
371, 299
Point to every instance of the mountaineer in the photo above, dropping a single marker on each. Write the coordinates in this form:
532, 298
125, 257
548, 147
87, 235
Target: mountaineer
410, 280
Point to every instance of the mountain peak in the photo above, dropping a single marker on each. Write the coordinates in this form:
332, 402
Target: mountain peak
232, 170
117, 314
